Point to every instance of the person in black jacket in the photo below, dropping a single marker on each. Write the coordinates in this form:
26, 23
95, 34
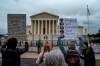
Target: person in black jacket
11, 54
88, 55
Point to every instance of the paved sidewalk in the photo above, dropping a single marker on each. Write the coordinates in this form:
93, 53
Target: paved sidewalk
32, 52
35, 55
29, 59
32, 62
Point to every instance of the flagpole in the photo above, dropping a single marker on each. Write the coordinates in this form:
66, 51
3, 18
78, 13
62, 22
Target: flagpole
88, 24
88, 19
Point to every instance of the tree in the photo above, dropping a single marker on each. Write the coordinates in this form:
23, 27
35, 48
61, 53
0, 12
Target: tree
98, 31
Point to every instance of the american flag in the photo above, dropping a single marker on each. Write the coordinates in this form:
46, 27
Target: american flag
88, 13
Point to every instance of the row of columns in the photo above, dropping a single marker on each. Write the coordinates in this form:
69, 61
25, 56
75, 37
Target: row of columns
40, 25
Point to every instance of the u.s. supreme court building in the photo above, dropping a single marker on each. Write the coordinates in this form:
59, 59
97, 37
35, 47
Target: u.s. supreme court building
44, 26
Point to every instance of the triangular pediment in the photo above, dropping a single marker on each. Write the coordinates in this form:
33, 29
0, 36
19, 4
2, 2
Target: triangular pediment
44, 15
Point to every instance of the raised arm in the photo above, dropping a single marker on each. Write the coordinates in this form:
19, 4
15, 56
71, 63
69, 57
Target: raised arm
25, 49
3, 47
59, 42
40, 58
81, 45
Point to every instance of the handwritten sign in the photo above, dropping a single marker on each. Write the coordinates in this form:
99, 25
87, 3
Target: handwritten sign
17, 26
70, 28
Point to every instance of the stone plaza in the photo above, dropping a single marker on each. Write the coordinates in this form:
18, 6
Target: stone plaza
29, 58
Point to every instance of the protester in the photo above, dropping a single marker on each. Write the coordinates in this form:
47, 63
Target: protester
72, 56
11, 54
54, 58
46, 49
88, 55
39, 45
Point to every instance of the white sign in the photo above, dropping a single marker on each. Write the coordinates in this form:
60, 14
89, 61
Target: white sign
17, 26
70, 28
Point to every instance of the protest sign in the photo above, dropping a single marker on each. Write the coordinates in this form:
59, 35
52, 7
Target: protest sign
70, 28
17, 26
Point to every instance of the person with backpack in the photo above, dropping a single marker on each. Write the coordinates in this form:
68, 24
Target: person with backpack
11, 54
88, 55
72, 56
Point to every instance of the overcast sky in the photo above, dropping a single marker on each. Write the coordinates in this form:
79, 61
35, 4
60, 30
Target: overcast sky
62, 8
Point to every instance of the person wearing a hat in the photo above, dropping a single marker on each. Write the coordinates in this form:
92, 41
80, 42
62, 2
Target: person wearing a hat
88, 55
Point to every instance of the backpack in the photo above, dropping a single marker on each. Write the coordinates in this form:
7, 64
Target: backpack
72, 58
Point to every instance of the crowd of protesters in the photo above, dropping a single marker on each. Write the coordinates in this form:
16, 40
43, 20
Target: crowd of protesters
70, 57
49, 56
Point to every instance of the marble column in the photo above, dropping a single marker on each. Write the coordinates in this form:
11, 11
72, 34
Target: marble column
53, 27
46, 26
57, 26
41, 26
49, 27
34, 26
38, 27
